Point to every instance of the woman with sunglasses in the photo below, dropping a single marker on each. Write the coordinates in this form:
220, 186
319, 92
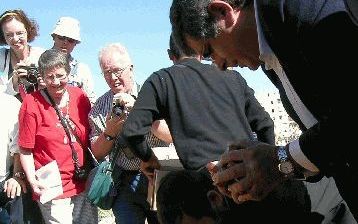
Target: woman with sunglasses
17, 30
66, 35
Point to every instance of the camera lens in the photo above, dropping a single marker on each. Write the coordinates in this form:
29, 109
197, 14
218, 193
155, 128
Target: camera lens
117, 110
31, 78
32, 75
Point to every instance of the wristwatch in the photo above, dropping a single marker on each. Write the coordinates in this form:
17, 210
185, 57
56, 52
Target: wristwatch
20, 175
284, 166
108, 137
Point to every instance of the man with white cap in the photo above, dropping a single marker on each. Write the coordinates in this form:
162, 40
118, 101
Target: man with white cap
66, 36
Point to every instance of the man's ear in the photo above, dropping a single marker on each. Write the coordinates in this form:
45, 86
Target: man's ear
223, 13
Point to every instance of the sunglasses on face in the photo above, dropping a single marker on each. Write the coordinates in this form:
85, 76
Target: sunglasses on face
69, 40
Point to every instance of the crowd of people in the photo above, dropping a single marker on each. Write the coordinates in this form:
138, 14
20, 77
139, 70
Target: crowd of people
232, 170
35, 136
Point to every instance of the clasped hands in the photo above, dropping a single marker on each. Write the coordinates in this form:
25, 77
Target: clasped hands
247, 171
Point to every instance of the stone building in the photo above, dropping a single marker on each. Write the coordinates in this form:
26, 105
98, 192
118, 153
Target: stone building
286, 129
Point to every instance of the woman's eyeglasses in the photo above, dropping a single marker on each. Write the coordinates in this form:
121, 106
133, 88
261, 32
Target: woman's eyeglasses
21, 35
57, 76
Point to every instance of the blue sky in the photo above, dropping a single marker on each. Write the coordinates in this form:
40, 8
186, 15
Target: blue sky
141, 25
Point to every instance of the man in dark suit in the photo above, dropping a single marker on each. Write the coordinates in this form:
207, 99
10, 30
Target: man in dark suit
305, 48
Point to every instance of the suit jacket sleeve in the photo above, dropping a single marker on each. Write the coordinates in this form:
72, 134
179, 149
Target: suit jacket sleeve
315, 51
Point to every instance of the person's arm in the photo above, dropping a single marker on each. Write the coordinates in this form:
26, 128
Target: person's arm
102, 142
141, 117
28, 164
259, 120
327, 145
161, 130
15, 184
28, 122
104, 131
315, 74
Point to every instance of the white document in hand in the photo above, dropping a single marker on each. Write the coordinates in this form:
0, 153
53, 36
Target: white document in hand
167, 157
49, 176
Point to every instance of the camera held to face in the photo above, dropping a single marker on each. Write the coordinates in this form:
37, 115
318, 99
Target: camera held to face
32, 73
30, 81
118, 109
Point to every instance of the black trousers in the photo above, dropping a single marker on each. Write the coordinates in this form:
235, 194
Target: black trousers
24, 210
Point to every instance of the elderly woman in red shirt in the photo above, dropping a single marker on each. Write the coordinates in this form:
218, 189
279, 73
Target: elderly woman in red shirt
43, 139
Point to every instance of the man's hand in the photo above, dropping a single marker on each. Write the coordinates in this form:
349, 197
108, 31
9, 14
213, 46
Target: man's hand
114, 124
13, 187
148, 167
126, 100
248, 171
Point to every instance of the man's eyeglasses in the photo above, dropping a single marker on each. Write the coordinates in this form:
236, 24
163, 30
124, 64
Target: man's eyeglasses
21, 35
69, 40
117, 72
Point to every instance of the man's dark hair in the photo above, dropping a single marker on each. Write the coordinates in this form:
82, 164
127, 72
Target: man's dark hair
192, 17
183, 192
173, 50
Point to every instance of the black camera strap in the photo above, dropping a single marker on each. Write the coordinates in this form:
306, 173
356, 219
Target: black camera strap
65, 125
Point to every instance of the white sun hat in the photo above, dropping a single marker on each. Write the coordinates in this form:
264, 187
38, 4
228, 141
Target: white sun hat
68, 27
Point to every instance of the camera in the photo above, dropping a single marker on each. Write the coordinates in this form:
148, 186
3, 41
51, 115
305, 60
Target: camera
32, 73
117, 108
80, 174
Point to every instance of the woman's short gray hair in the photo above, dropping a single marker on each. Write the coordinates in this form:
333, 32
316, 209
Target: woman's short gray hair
53, 58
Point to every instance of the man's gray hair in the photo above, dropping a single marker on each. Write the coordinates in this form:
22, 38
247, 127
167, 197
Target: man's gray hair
125, 59
118, 48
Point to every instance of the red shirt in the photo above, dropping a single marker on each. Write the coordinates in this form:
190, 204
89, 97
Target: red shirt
40, 130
